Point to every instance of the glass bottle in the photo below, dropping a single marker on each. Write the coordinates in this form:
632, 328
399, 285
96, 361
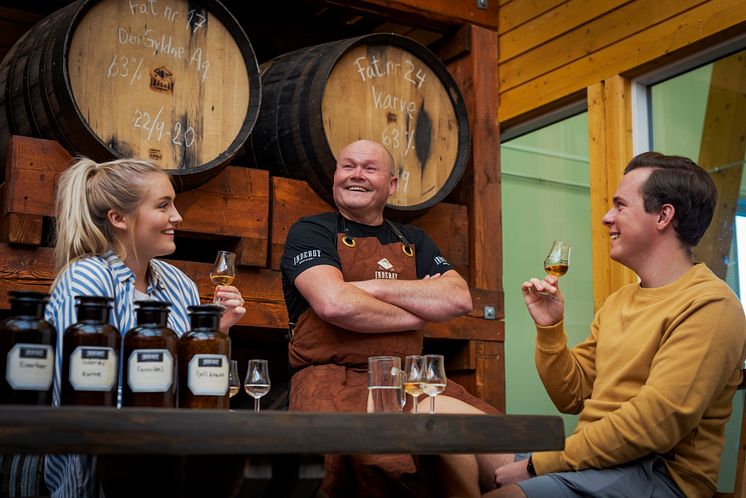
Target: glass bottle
204, 363
90, 355
150, 358
27, 344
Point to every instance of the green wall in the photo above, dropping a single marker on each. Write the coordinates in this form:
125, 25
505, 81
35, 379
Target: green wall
545, 197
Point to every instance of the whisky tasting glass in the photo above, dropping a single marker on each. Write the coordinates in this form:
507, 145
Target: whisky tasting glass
234, 382
223, 271
257, 381
435, 377
414, 370
557, 261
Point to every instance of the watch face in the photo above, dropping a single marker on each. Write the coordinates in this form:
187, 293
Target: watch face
530, 467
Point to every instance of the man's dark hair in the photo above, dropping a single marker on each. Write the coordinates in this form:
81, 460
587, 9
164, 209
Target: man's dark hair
680, 182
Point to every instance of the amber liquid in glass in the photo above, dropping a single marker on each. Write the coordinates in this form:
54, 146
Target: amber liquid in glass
556, 270
222, 279
414, 389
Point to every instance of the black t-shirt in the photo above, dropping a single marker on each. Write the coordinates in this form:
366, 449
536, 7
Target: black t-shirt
312, 241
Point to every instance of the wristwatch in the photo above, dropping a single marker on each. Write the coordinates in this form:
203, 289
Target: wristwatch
530, 467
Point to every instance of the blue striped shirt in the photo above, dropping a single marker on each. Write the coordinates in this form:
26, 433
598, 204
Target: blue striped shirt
72, 476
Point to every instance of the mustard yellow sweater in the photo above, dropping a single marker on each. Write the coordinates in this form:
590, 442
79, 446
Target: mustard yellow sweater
656, 375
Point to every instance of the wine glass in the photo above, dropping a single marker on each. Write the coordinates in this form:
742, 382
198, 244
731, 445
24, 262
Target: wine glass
257, 381
557, 261
435, 377
223, 271
234, 382
414, 369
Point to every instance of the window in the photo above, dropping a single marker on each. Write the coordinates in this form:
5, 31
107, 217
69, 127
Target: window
546, 196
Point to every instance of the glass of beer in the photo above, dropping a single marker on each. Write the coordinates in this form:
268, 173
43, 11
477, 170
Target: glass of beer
557, 261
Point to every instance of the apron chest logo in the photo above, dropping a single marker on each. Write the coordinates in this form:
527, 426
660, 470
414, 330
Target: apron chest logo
386, 270
385, 265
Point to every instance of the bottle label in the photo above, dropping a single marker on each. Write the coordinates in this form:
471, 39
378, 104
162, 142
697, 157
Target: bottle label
93, 368
150, 370
30, 367
208, 375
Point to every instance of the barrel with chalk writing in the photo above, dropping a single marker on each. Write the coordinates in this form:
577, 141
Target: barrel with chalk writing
382, 87
173, 81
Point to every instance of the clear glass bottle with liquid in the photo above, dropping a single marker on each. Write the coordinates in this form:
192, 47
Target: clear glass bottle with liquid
150, 355
204, 364
90, 355
27, 351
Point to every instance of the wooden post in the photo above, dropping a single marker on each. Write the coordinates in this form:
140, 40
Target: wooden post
476, 74
610, 142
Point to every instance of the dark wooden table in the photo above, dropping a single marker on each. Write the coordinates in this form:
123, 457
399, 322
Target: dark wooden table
214, 453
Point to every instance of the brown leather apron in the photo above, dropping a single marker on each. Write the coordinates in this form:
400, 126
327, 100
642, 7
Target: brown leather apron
331, 365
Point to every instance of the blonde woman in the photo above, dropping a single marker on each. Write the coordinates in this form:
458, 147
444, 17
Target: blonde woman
113, 220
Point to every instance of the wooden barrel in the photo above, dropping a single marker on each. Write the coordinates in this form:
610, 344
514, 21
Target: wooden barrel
382, 87
173, 81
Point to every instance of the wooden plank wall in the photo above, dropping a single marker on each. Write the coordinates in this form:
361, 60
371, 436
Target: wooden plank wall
550, 51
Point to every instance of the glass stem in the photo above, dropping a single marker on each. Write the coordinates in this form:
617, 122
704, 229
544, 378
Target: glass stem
414, 406
256, 404
432, 404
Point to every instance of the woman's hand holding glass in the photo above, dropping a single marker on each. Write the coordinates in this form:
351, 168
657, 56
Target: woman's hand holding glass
222, 274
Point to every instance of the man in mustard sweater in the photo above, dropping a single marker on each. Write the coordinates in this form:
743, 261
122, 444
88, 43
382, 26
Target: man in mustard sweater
653, 382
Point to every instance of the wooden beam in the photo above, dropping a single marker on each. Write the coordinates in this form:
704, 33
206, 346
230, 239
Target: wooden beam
724, 144
609, 26
571, 16
94, 430
680, 35
476, 76
31, 170
442, 11
610, 142
21, 229
32, 268
515, 13
468, 328
234, 203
